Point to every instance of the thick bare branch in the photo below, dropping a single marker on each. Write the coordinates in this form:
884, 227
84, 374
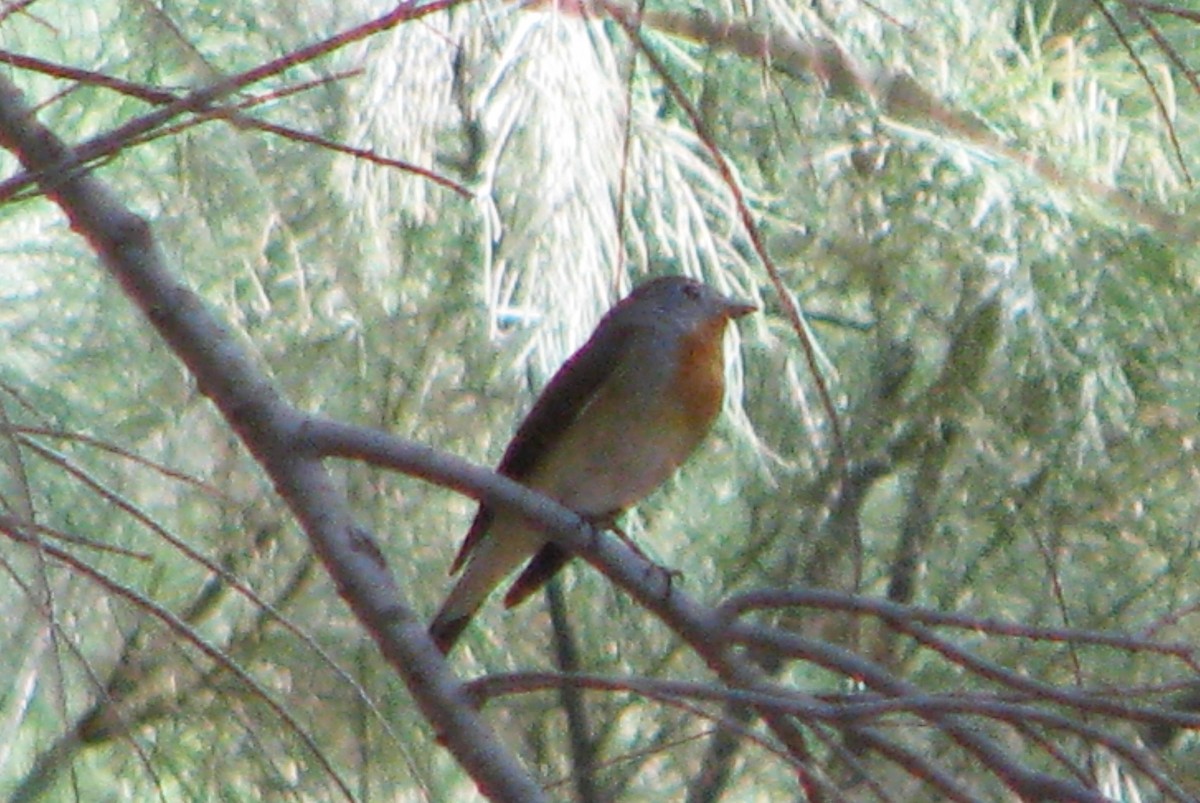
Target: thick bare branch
270, 429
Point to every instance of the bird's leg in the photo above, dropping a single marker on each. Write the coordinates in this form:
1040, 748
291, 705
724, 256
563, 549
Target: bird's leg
609, 522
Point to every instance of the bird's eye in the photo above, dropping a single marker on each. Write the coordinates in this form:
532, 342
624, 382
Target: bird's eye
692, 291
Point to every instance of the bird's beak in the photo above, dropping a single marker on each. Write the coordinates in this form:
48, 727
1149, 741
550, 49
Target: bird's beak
736, 309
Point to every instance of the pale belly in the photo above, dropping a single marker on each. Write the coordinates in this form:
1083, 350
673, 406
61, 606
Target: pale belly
607, 462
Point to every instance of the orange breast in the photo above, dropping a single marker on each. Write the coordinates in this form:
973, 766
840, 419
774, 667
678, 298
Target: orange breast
701, 375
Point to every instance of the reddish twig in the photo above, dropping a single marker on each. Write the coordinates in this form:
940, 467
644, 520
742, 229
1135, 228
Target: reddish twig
202, 100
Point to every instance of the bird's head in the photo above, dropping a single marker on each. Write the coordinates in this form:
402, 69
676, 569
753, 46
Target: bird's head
688, 303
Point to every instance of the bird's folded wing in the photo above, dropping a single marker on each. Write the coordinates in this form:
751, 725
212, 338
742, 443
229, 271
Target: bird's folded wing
560, 404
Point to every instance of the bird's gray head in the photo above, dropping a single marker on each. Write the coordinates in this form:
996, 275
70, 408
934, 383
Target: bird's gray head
684, 300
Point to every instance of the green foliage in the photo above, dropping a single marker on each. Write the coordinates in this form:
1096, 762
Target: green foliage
1016, 349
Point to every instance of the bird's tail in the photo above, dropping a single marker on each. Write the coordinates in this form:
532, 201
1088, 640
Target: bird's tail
447, 627
491, 561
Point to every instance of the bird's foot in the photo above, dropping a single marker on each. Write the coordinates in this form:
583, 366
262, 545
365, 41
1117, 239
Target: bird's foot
669, 574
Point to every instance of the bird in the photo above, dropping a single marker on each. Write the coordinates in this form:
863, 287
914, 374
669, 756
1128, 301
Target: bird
614, 422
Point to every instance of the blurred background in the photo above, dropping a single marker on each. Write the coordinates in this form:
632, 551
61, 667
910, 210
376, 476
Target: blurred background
982, 209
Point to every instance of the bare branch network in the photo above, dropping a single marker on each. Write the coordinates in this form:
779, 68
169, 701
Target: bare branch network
1040, 740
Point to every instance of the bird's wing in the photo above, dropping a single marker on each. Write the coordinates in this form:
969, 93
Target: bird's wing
560, 404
